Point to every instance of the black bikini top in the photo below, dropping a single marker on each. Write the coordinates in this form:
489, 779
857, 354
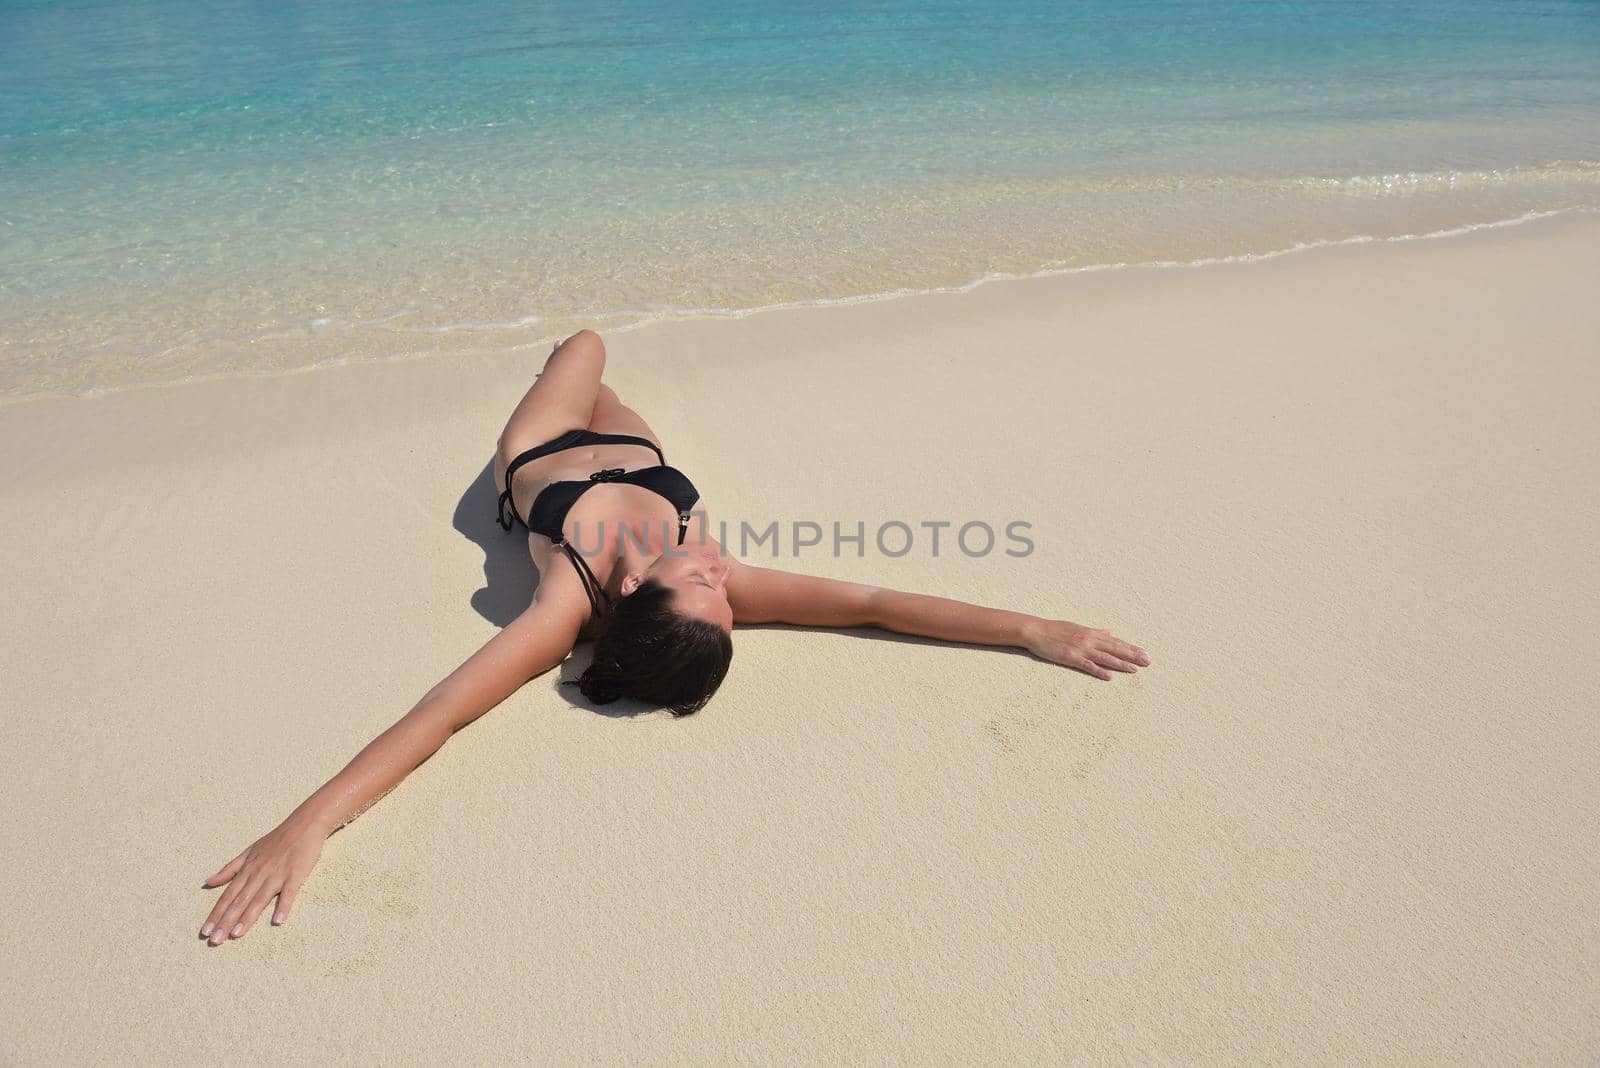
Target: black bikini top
549, 512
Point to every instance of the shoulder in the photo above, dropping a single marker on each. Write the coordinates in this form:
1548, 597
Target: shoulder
559, 601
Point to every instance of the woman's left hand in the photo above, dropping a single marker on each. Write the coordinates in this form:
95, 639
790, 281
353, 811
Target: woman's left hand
1094, 652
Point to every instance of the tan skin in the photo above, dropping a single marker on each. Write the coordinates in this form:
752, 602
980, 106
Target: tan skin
708, 583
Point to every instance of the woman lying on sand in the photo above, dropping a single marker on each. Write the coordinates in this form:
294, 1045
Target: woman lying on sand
659, 601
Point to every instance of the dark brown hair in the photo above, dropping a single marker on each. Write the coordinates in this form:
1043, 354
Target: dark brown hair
650, 652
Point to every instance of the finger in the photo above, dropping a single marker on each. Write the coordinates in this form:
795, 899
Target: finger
220, 909
1089, 667
285, 900
1123, 650
287, 897
227, 871
1107, 659
257, 903
1131, 652
232, 925
230, 918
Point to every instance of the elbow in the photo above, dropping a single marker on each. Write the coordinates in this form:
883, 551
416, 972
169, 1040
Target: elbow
873, 611
438, 717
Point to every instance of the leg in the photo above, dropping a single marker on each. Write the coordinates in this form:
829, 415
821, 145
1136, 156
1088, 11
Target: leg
561, 399
611, 416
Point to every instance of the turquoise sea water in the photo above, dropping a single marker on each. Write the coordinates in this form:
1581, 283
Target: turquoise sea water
191, 189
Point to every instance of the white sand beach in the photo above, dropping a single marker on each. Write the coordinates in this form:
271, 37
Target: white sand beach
1346, 498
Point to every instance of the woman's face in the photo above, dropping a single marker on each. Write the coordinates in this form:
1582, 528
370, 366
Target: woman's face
697, 576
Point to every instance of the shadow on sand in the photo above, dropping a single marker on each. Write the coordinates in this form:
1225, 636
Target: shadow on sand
509, 580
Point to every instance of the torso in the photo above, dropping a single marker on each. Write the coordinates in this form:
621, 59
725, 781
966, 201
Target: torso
605, 507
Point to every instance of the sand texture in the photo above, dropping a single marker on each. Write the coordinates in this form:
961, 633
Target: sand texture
1346, 498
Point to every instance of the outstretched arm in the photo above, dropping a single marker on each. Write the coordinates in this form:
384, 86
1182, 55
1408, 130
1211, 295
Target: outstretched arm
766, 595
278, 863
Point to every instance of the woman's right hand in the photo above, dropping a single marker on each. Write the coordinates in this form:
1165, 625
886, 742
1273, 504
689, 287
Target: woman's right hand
275, 865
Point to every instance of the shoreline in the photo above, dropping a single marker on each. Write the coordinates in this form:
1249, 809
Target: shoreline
1571, 214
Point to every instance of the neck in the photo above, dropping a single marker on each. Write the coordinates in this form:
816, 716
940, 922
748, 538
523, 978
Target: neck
635, 557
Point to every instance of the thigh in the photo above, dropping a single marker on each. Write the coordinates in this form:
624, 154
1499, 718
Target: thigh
611, 416
562, 398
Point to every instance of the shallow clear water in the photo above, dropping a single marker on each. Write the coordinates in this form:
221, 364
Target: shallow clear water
193, 189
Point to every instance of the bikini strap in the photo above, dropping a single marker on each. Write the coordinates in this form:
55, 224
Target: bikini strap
506, 503
599, 600
630, 439
500, 512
